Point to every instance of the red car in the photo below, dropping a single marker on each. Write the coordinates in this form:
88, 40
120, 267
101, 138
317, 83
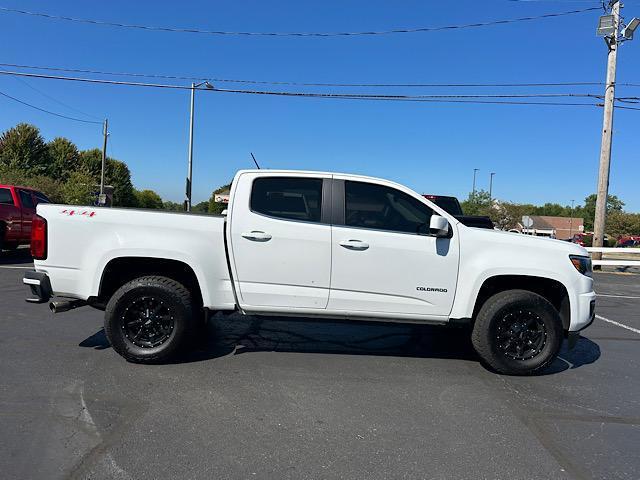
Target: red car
17, 208
629, 241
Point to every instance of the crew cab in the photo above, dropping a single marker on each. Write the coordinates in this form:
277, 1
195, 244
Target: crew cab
312, 244
17, 208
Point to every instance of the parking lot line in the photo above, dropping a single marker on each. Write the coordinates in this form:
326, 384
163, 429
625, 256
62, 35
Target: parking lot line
16, 267
621, 325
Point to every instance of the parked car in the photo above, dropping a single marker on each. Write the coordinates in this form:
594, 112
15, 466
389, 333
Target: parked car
17, 208
452, 205
630, 241
317, 245
586, 240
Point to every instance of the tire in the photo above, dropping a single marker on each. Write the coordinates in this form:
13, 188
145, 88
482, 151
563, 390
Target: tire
149, 319
517, 332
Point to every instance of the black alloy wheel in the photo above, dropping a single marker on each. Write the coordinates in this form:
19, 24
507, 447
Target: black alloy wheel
147, 322
520, 334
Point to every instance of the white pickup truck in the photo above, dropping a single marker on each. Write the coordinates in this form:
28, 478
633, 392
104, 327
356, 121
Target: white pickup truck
318, 245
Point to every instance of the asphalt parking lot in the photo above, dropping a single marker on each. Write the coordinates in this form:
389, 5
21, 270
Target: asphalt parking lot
293, 399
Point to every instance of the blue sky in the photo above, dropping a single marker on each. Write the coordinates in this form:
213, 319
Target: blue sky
540, 154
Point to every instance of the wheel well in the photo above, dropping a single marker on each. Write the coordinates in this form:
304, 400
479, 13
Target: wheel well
554, 291
121, 270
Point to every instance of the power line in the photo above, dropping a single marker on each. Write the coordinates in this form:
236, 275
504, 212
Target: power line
59, 102
47, 111
410, 98
293, 34
306, 84
299, 94
626, 108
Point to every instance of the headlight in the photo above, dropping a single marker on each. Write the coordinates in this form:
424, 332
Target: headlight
582, 264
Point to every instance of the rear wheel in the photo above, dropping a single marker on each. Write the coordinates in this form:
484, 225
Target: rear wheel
149, 319
517, 332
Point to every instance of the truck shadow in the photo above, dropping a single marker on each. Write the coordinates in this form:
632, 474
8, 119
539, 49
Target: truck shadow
237, 334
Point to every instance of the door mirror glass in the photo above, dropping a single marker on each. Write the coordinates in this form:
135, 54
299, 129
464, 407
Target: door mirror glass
439, 226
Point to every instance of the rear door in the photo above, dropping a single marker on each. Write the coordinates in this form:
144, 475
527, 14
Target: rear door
28, 209
281, 240
384, 260
10, 216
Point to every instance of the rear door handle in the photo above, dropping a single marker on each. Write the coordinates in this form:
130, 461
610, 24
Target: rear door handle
257, 236
354, 244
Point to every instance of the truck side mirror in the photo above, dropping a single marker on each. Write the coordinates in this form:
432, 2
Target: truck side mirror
439, 226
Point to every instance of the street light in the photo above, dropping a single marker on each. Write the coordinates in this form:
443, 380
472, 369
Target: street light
473, 190
190, 170
491, 186
606, 26
627, 32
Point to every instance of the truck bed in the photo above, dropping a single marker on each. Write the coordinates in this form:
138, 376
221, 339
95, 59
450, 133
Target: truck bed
96, 236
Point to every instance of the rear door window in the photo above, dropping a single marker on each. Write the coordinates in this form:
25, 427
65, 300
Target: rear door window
5, 196
25, 199
289, 198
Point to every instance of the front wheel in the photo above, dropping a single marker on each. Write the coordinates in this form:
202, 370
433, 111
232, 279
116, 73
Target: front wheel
517, 332
149, 319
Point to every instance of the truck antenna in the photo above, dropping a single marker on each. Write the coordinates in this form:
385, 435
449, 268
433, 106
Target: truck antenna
254, 160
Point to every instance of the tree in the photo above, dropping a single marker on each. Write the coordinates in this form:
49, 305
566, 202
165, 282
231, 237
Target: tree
215, 207
79, 189
202, 207
148, 199
478, 203
173, 206
47, 185
614, 204
117, 174
22, 147
64, 157
622, 223
91, 161
507, 215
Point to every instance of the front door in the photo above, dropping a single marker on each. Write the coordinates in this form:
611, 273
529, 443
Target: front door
281, 241
384, 259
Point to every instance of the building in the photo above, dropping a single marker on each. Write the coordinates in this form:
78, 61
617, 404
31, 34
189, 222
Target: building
562, 228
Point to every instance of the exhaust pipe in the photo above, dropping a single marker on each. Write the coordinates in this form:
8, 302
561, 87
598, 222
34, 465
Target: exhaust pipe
65, 305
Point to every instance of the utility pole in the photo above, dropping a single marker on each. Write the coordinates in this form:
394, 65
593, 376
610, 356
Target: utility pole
187, 202
105, 133
607, 132
190, 170
571, 221
473, 190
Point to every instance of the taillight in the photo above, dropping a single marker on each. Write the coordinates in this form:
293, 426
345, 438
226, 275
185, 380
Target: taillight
39, 238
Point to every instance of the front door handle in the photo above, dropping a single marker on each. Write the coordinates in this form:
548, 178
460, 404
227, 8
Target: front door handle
257, 236
354, 244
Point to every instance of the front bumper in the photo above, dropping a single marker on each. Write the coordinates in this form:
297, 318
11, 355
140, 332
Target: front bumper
40, 286
587, 309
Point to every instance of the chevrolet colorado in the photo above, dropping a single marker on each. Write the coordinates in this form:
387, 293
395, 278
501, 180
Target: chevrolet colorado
317, 245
